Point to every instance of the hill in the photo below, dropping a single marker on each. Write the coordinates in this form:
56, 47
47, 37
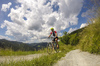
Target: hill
86, 39
38, 46
14, 45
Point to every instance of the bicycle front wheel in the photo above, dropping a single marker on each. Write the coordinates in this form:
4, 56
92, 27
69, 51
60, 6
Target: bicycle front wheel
49, 48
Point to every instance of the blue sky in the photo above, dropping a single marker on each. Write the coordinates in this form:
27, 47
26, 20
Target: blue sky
29, 21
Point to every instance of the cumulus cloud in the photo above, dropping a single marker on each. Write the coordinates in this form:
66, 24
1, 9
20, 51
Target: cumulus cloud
3, 25
40, 17
5, 37
5, 7
60, 34
72, 29
83, 25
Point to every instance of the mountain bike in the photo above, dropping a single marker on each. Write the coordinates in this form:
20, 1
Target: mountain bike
52, 45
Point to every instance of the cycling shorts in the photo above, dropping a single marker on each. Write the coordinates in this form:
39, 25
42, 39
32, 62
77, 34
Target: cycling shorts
55, 38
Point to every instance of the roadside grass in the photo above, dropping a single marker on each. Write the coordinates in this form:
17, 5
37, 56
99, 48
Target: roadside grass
42, 61
9, 52
47, 60
66, 48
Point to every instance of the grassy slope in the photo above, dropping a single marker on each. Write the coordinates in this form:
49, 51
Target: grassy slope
86, 39
90, 38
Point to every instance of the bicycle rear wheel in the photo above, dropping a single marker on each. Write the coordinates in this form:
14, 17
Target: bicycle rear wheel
49, 48
55, 47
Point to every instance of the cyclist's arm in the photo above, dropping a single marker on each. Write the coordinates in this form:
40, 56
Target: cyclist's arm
49, 35
55, 34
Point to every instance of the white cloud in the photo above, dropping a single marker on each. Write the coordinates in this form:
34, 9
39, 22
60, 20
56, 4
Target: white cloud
3, 25
5, 37
5, 7
60, 34
40, 17
83, 25
72, 29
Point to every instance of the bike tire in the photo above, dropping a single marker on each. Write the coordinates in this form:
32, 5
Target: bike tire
55, 47
49, 48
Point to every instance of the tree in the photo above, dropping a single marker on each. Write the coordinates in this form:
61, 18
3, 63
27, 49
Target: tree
65, 33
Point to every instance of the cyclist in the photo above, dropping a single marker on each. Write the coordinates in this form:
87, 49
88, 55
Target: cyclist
54, 33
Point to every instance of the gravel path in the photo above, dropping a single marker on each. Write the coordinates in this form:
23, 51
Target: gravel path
79, 58
19, 58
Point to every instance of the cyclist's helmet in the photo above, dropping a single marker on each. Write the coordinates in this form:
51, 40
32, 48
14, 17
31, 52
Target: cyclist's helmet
52, 28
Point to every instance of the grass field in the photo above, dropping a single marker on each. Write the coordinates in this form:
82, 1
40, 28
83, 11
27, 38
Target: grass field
48, 60
9, 52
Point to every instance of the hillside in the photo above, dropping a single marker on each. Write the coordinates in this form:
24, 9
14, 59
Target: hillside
14, 45
71, 38
38, 46
90, 37
86, 39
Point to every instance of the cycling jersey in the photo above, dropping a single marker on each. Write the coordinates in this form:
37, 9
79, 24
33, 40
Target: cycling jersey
53, 33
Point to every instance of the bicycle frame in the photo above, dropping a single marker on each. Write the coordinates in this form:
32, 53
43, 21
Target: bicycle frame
54, 44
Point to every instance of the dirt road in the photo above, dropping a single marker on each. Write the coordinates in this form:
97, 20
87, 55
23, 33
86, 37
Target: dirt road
79, 58
21, 58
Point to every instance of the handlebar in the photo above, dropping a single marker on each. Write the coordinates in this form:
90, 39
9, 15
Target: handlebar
51, 37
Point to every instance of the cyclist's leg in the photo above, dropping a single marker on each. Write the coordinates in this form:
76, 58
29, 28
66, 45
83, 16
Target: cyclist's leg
53, 44
56, 39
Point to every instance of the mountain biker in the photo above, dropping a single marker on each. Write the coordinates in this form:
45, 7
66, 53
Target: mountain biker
54, 33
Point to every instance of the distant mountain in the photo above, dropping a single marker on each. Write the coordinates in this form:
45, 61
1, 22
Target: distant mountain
14, 45
38, 46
